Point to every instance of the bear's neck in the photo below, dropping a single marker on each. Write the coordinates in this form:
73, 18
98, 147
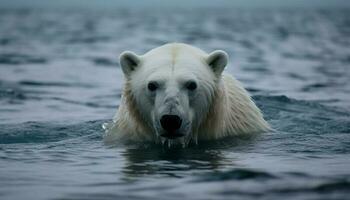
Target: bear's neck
132, 116
232, 112
214, 119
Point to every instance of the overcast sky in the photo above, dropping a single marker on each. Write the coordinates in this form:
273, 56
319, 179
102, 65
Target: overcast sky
175, 3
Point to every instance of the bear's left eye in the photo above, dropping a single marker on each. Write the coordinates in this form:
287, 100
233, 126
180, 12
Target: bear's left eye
152, 86
191, 85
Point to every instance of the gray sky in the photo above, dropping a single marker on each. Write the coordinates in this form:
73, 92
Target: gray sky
175, 3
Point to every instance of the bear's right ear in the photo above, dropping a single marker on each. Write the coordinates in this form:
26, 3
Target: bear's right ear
129, 61
217, 61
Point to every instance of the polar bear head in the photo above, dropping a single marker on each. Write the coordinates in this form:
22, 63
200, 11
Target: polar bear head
170, 89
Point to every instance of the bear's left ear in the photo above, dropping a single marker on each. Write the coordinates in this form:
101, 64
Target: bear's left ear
217, 61
129, 61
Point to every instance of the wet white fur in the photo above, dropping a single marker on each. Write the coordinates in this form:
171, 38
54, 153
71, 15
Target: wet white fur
223, 107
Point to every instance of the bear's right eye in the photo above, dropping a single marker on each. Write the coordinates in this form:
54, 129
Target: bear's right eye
152, 86
191, 85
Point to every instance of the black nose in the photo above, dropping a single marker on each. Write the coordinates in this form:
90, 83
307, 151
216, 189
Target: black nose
170, 122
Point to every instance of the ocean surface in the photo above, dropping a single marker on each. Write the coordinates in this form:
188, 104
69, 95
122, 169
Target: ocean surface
60, 81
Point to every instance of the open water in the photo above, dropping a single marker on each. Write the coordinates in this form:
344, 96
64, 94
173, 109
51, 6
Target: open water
60, 81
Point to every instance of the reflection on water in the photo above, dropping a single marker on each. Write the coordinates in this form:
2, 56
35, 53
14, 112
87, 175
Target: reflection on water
170, 162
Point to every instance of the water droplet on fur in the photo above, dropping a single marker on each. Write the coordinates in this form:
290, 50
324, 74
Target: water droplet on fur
195, 139
169, 144
183, 142
106, 126
162, 140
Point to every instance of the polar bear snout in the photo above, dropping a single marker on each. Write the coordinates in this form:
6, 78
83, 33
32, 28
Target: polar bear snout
170, 123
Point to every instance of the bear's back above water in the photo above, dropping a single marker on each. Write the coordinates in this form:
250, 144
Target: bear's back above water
179, 93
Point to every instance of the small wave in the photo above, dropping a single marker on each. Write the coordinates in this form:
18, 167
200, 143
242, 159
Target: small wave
333, 186
318, 86
88, 104
101, 61
54, 84
235, 174
43, 132
326, 187
311, 127
273, 106
88, 39
6, 41
11, 94
17, 59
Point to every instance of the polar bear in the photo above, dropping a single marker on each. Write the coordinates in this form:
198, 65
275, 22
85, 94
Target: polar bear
179, 93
